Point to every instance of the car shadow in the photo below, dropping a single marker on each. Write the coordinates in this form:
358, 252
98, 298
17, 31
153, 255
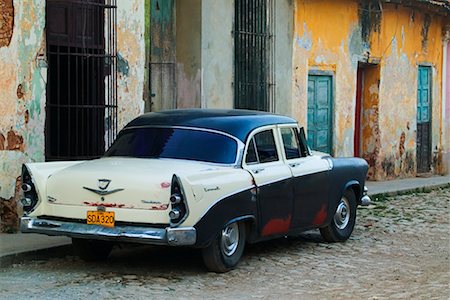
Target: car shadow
143, 259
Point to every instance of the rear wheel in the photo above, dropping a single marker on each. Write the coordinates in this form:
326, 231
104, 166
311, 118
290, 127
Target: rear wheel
91, 250
343, 221
226, 249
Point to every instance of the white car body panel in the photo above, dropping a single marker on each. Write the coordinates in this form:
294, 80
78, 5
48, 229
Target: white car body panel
145, 195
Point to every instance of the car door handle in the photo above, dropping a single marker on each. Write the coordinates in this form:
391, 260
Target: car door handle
294, 165
258, 171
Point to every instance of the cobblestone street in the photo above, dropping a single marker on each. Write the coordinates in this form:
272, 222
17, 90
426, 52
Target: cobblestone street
400, 249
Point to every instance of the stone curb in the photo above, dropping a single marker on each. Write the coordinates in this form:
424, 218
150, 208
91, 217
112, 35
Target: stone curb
38, 254
403, 191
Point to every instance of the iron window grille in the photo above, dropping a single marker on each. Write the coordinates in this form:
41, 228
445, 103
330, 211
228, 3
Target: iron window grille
81, 120
254, 54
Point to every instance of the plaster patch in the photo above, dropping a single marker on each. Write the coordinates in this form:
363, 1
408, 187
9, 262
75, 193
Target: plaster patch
122, 65
305, 41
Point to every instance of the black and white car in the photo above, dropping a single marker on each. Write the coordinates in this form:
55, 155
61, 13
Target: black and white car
210, 179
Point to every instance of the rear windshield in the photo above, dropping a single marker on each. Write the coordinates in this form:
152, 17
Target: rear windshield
174, 143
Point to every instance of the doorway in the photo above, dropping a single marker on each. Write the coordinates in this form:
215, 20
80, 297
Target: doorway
320, 102
423, 142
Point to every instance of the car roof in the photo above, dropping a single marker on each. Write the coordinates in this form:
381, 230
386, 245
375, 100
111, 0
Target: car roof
236, 122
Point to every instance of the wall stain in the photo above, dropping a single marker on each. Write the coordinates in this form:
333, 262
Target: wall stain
410, 166
388, 166
369, 19
6, 22
27, 116
20, 91
15, 141
2, 142
401, 147
425, 30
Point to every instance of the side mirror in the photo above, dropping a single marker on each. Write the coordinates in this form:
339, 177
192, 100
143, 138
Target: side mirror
303, 143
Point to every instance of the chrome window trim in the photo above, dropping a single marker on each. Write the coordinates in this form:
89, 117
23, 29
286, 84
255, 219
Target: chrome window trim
276, 139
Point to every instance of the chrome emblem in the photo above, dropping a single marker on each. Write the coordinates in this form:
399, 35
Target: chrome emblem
103, 183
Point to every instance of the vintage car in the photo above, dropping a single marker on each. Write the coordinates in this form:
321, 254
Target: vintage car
210, 179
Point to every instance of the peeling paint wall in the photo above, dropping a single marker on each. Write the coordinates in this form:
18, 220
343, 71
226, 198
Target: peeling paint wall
334, 36
370, 127
131, 61
22, 97
23, 76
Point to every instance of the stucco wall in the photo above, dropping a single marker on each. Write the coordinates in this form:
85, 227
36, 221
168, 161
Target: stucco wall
334, 36
131, 58
188, 52
217, 54
284, 32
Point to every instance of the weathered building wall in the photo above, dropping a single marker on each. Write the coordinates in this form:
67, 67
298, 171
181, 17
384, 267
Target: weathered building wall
324, 40
131, 58
333, 36
22, 96
188, 52
217, 54
23, 74
417, 40
446, 104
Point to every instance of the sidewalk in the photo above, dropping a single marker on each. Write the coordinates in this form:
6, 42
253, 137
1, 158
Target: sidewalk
393, 187
17, 247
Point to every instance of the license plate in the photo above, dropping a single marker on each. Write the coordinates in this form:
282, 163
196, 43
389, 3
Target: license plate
104, 218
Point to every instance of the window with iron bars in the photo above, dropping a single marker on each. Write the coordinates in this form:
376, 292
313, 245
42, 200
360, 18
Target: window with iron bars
254, 54
81, 105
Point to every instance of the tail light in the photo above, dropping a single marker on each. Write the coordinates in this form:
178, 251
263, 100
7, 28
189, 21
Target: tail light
30, 198
179, 211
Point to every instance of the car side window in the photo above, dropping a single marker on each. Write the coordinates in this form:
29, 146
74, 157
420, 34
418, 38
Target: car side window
290, 143
265, 146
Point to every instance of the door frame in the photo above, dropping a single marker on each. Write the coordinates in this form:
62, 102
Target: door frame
314, 72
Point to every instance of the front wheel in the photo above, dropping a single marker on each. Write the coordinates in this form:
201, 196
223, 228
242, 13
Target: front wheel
225, 251
343, 221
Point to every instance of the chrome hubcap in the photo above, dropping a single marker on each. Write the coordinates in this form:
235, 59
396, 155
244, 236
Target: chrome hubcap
230, 239
342, 214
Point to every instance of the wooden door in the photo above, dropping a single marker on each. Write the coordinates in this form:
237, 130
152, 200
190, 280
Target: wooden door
319, 112
423, 141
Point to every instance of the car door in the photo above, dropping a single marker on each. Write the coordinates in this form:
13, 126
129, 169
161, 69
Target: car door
310, 180
273, 180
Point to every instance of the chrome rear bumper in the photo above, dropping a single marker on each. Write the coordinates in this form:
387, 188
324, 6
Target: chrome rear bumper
183, 236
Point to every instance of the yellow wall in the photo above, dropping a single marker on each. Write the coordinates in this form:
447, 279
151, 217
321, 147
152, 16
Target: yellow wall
328, 36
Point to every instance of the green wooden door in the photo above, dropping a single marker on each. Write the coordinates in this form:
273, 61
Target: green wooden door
423, 141
319, 112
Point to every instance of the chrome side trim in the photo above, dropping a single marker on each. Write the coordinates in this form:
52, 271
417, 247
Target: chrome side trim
184, 236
